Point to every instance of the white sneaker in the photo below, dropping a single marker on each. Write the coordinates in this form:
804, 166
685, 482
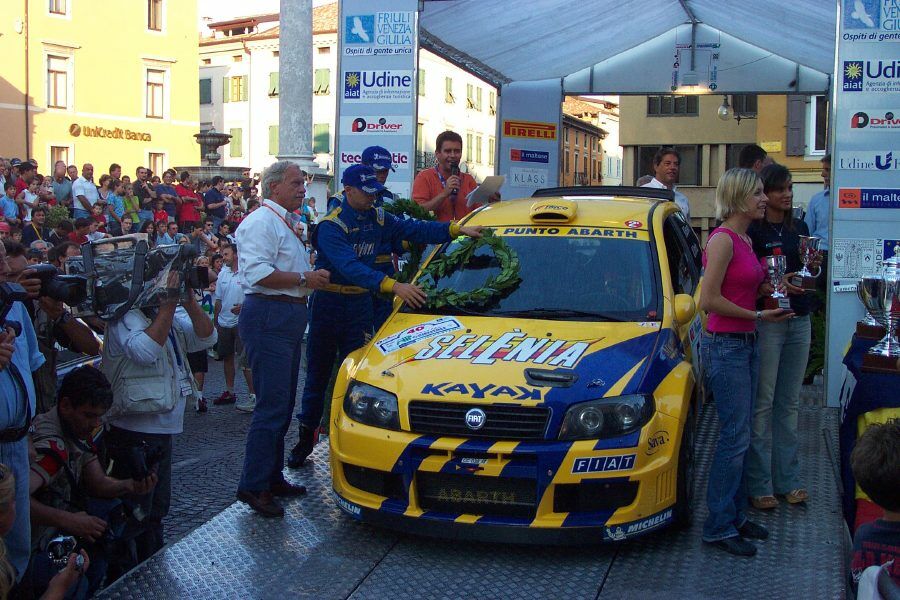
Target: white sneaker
247, 405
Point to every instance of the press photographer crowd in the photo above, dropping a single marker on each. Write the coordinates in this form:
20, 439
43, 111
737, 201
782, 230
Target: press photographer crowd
86, 454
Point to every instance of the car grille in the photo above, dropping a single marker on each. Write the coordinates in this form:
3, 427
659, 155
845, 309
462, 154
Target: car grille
471, 494
501, 422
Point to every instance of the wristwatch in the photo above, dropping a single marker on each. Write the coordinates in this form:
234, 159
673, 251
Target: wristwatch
302, 281
759, 315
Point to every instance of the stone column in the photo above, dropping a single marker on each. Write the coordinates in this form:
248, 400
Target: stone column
295, 79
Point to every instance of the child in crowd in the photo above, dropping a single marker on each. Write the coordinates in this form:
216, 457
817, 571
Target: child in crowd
97, 214
15, 234
115, 205
9, 210
132, 204
27, 199
159, 213
876, 466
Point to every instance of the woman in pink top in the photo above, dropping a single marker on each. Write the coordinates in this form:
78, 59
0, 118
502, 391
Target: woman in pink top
729, 354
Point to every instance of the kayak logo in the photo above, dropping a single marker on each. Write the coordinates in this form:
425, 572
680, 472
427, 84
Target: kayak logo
478, 392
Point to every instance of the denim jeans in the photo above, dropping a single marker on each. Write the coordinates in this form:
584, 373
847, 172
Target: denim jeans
731, 371
772, 463
272, 332
18, 541
338, 325
154, 504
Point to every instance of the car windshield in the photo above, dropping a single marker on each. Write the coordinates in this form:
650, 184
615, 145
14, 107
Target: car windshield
563, 278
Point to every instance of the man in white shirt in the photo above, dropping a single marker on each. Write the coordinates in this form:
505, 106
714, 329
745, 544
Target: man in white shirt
148, 411
666, 166
228, 301
84, 193
277, 279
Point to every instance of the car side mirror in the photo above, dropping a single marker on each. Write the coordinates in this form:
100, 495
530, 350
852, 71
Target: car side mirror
685, 309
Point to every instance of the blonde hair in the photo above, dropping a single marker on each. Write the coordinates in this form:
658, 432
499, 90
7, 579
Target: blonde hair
7, 497
735, 187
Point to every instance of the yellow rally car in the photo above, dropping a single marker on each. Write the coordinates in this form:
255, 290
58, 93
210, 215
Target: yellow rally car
561, 411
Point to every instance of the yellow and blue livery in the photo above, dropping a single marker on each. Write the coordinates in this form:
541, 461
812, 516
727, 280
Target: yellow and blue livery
562, 410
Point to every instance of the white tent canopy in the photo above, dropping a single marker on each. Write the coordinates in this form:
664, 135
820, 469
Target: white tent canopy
627, 46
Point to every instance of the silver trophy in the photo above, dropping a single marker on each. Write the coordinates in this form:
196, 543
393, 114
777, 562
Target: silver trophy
776, 267
881, 297
809, 249
868, 328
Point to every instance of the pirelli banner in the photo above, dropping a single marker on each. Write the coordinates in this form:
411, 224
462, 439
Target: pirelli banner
530, 127
377, 86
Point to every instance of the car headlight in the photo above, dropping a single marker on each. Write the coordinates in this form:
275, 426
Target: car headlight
607, 417
370, 405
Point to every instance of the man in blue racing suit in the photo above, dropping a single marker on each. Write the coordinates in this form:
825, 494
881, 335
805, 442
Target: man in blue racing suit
341, 314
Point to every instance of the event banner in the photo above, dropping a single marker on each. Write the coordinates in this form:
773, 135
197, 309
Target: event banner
529, 143
376, 92
865, 194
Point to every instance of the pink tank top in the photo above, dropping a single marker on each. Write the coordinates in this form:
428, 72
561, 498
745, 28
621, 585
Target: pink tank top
742, 279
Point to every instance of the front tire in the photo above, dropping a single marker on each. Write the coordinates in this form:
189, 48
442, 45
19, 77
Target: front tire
684, 499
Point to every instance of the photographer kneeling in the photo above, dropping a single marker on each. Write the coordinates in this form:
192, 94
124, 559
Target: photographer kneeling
66, 472
145, 359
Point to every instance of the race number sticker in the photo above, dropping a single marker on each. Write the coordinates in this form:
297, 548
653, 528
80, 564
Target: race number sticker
416, 334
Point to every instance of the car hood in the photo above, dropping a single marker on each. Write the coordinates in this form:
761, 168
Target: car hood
514, 361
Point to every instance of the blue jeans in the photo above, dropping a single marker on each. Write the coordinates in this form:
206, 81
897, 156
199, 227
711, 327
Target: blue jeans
272, 332
731, 370
18, 541
80, 213
772, 463
338, 325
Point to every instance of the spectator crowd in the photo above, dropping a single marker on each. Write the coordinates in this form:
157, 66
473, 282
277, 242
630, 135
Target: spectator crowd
58, 475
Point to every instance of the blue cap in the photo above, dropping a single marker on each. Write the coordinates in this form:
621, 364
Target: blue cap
378, 158
15, 162
362, 177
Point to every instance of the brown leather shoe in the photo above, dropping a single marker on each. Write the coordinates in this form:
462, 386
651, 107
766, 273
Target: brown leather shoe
261, 502
285, 489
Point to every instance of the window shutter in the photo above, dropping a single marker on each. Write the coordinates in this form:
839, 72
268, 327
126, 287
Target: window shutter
244, 88
236, 146
421, 82
273, 140
273, 84
226, 91
206, 91
796, 126
322, 82
321, 138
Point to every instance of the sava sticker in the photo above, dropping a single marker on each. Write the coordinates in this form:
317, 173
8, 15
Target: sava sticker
618, 533
656, 441
416, 334
602, 464
510, 346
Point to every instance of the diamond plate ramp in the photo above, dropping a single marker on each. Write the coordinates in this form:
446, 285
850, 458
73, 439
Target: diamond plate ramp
314, 552
437, 569
803, 557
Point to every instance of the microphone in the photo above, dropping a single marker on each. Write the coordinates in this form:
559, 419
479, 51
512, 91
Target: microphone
454, 170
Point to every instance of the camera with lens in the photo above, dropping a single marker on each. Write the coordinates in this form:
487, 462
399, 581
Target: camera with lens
59, 549
141, 460
69, 289
124, 273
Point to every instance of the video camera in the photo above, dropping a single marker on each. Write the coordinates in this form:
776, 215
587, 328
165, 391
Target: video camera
124, 273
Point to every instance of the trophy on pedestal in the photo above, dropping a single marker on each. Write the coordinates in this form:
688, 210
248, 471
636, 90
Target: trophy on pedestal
881, 297
868, 328
776, 267
809, 248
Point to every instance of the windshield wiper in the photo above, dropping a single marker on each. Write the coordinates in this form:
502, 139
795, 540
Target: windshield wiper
562, 313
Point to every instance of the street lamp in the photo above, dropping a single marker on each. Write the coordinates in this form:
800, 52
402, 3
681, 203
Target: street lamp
725, 110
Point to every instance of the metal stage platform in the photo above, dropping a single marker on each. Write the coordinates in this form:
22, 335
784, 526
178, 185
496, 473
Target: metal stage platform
317, 552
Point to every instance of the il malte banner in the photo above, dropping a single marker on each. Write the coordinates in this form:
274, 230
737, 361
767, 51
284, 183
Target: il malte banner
377, 86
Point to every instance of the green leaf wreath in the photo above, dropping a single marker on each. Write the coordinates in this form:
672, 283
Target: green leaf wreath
442, 265
404, 207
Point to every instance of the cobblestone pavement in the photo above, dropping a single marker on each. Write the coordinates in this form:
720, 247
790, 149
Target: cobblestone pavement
207, 457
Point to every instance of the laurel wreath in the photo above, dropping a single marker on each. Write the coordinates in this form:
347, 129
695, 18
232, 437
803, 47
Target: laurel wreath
496, 285
404, 207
